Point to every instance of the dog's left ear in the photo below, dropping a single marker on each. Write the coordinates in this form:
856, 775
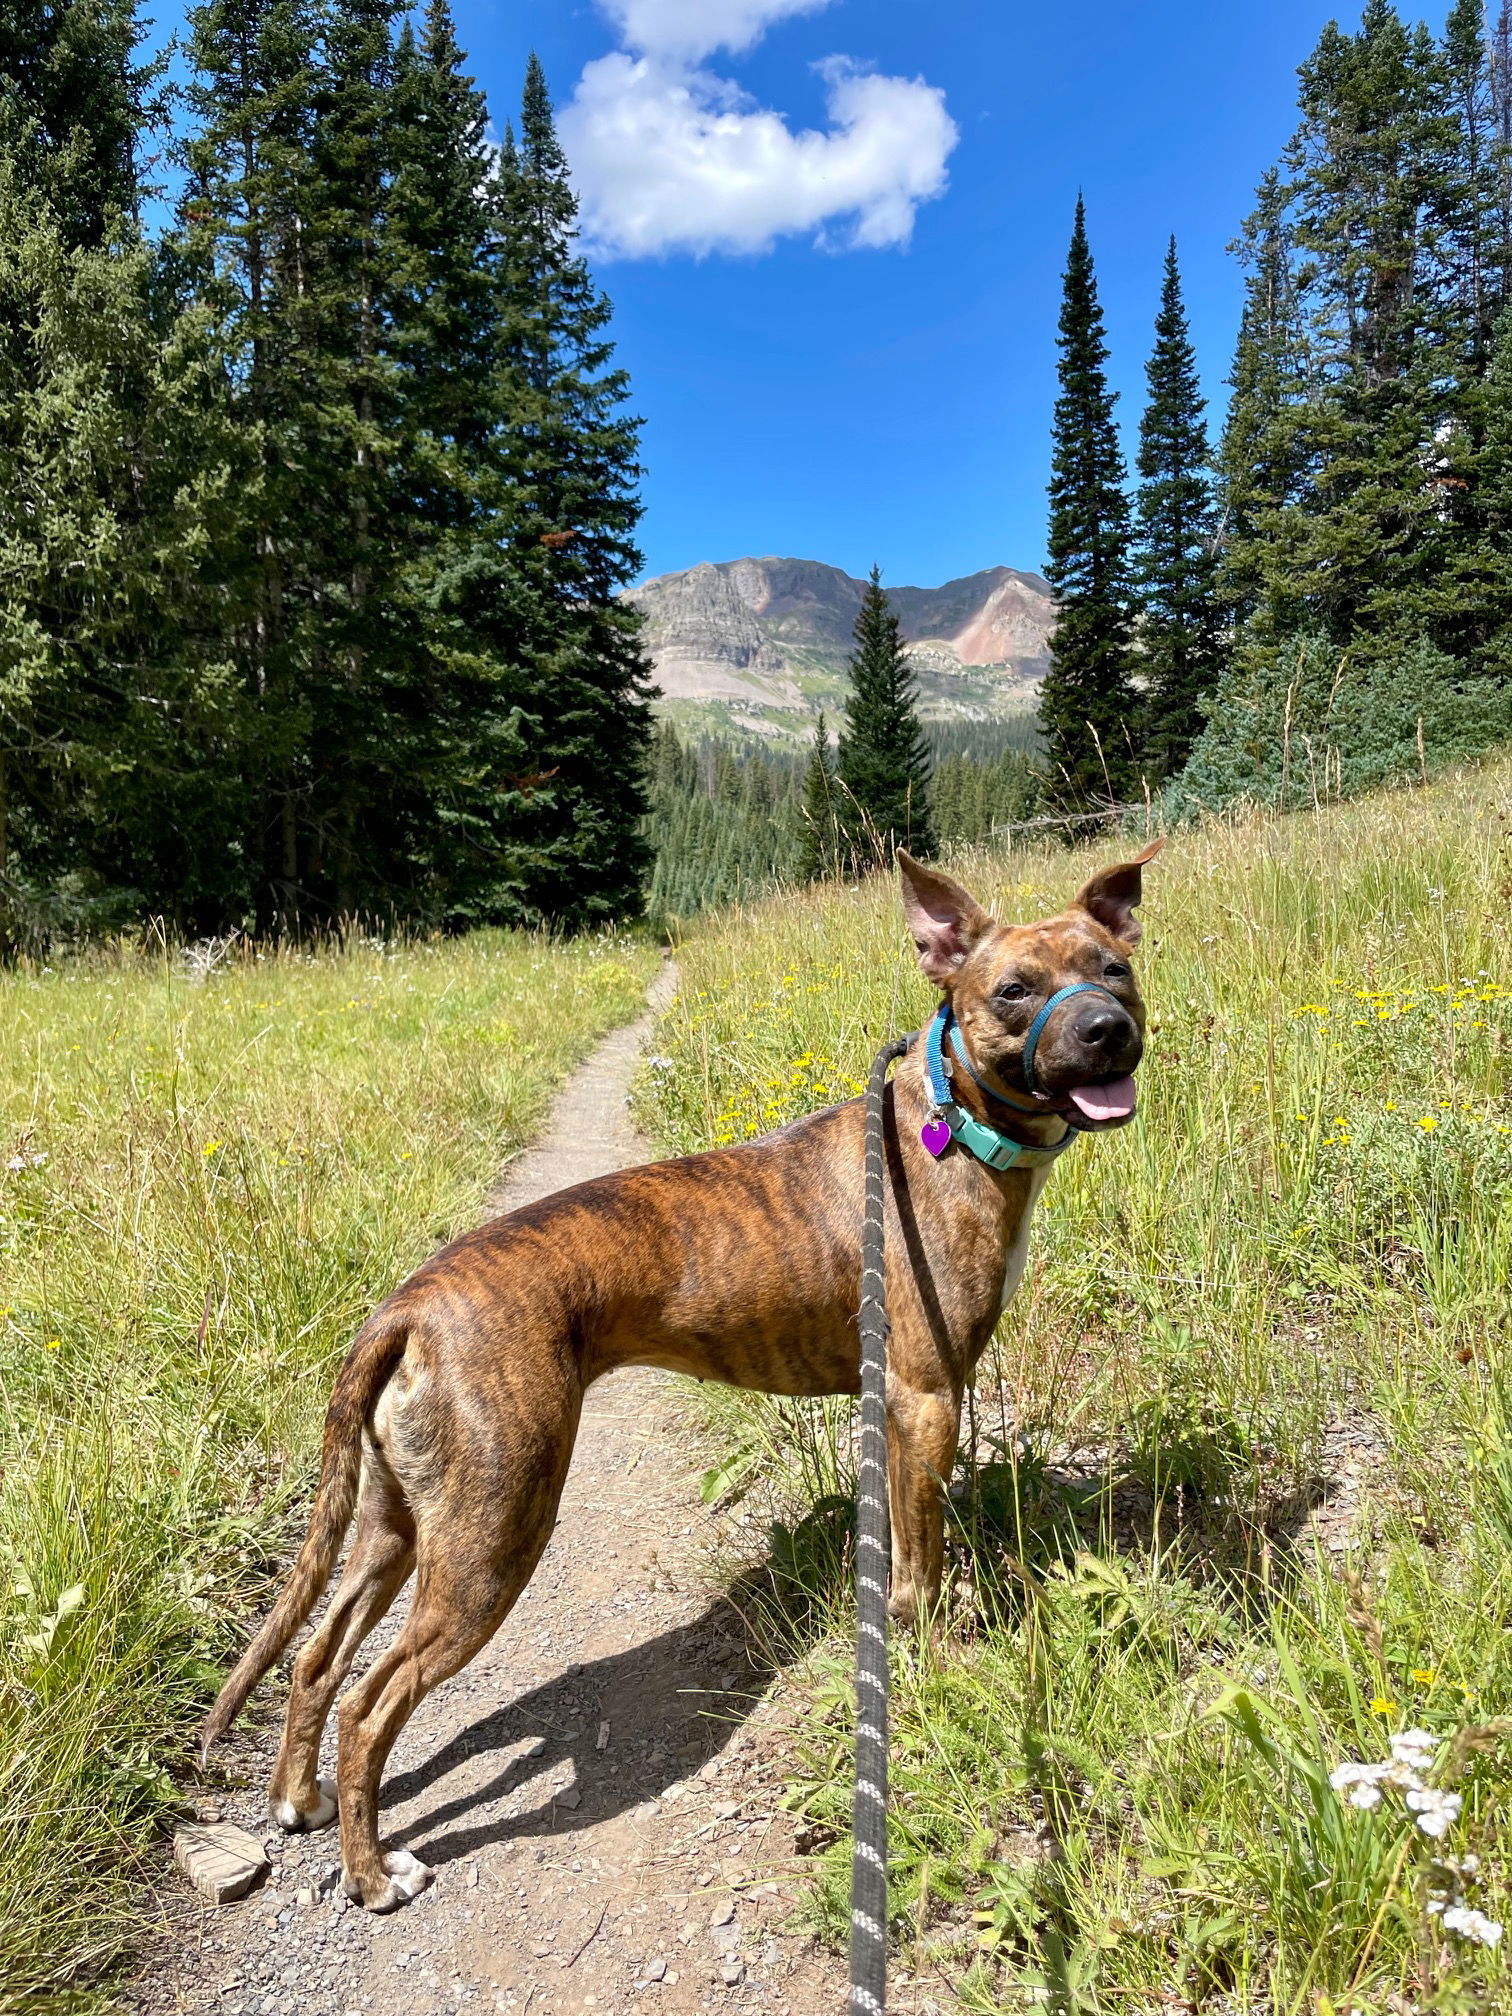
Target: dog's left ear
1112, 894
943, 920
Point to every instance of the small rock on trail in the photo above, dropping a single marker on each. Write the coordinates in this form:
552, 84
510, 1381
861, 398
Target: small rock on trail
591, 1791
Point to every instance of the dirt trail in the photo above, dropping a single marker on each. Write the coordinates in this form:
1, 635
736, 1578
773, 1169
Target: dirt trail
596, 1792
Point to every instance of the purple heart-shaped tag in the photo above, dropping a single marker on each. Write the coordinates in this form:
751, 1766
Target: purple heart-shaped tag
935, 1134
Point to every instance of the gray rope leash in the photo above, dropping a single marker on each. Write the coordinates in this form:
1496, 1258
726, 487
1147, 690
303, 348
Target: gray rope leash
868, 1966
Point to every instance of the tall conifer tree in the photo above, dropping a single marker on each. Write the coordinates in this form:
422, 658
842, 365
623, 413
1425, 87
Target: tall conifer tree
883, 763
245, 243
578, 686
1363, 160
1087, 703
1261, 455
1176, 561
821, 810
74, 101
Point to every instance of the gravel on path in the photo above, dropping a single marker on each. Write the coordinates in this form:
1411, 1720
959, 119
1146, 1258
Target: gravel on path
596, 1792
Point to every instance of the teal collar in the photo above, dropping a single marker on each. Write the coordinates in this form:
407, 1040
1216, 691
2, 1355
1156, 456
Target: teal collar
949, 1122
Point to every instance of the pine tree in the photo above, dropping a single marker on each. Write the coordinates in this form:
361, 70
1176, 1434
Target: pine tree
820, 854
244, 242
1485, 566
121, 726
468, 769
73, 104
1087, 703
578, 685
1470, 232
1176, 561
883, 764
1466, 285
1357, 555
1261, 456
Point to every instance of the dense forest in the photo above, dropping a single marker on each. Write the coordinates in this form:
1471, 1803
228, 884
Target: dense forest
1323, 600
319, 489
728, 822
314, 502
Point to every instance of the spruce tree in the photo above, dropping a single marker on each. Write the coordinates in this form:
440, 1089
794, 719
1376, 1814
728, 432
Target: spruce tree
74, 101
1087, 703
244, 242
1261, 456
448, 450
576, 694
121, 725
1484, 565
1176, 567
1357, 553
820, 851
883, 766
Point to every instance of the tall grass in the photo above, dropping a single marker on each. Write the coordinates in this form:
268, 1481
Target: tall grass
1287, 1281
206, 1182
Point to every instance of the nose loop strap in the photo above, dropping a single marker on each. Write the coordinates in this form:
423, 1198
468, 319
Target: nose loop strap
1037, 1026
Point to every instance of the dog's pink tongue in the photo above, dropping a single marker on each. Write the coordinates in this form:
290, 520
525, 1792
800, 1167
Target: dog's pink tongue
1114, 1101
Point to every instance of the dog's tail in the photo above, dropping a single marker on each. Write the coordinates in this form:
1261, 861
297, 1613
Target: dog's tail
376, 1350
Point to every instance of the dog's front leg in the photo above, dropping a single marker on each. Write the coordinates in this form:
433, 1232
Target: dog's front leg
923, 1428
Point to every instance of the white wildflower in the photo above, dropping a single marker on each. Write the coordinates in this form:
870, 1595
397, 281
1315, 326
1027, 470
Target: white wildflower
1436, 1811
1415, 1748
1361, 1781
16, 1162
1469, 1923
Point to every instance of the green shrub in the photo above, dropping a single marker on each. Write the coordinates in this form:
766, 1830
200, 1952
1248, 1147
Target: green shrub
1313, 724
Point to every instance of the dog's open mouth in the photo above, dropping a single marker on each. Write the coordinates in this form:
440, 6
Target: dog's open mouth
1113, 1099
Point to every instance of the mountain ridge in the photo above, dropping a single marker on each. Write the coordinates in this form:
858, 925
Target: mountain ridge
759, 644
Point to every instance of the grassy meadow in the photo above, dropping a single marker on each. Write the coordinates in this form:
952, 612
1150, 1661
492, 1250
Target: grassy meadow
207, 1180
1236, 1505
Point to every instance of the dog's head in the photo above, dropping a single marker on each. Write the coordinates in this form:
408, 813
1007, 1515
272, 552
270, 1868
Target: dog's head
998, 977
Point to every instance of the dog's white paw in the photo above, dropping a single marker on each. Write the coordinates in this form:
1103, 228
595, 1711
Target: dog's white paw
321, 1814
406, 1877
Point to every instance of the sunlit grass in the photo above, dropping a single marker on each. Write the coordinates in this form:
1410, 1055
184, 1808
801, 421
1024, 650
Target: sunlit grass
205, 1185
1113, 1768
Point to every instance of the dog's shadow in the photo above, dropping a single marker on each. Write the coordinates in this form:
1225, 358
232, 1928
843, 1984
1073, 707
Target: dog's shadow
671, 1704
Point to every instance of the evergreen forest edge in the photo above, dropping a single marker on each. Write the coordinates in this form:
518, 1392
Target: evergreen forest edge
318, 502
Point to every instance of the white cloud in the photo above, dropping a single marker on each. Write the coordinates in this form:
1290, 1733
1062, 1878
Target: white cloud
688, 29
670, 157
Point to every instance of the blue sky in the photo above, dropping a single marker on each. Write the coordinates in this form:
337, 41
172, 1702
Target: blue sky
875, 383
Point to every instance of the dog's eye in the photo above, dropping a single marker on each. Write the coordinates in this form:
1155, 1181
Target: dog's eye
1013, 990
1113, 971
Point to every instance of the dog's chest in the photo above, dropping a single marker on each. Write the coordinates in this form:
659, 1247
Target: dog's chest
1016, 1247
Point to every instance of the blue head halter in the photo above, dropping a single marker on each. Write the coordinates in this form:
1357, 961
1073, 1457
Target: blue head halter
990, 1144
1037, 1026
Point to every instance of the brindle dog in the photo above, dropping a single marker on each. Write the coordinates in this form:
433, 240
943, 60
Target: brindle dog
454, 1415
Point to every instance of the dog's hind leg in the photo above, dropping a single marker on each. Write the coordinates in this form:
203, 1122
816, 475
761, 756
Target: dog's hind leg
479, 1540
381, 1557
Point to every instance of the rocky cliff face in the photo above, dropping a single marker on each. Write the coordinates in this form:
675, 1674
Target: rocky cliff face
762, 644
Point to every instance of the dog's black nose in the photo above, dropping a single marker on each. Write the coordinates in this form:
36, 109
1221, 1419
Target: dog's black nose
1106, 1027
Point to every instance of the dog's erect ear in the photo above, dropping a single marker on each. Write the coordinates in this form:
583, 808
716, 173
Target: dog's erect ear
943, 920
1112, 893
